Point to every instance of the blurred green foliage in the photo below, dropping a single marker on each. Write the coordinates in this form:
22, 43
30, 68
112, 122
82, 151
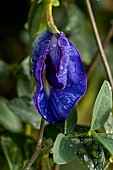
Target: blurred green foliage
19, 121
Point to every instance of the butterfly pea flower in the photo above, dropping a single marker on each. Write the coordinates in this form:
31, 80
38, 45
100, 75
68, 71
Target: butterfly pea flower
59, 74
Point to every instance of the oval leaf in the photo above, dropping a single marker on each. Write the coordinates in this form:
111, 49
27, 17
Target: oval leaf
102, 107
35, 19
64, 149
24, 109
7, 118
24, 87
71, 121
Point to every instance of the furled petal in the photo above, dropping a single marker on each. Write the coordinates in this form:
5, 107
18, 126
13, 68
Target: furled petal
64, 46
41, 49
52, 64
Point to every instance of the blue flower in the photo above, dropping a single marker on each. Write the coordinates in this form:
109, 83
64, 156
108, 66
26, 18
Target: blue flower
59, 74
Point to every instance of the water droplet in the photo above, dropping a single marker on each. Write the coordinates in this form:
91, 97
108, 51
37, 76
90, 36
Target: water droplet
92, 166
86, 158
53, 122
34, 124
109, 87
68, 101
66, 106
68, 28
35, 101
61, 67
70, 145
54, 45
45, 116
45, 110
78, 64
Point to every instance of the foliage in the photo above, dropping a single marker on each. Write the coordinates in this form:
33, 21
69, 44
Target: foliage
87, 134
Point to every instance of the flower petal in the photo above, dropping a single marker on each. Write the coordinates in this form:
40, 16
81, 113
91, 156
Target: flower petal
43, 106
56, 106
52, 63
64, 47
76, 72
63, 101
51, 74
41, 49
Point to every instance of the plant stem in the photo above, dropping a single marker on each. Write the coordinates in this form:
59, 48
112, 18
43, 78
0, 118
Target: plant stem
81, 135
49, 18
56, 167
38, 146
96, 56
103, 56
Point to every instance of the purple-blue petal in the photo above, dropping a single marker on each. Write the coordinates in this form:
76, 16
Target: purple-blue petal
64, 46
40, 50
61, 61
52, 64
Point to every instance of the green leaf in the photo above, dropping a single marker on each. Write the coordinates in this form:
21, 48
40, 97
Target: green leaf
64, 149
108, 143
56, 128
25, 110
36, 23
7, 118
12, 153
84, 156
102, 107
104, 140
24, 87
71, 121
109, 124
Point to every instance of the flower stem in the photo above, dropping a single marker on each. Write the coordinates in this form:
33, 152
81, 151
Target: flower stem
96, 56
103, 56
49, 18
38, 146
56, 167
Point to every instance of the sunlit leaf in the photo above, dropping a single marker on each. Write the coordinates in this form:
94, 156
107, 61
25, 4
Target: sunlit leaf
106, 141
102, 107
